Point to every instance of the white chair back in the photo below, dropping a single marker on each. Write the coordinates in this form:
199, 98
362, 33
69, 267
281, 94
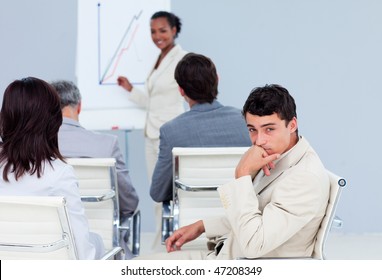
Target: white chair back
35, 227
99, 193
336, 185
197, 174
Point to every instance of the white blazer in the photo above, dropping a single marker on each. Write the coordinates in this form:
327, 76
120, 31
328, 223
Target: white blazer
161, 99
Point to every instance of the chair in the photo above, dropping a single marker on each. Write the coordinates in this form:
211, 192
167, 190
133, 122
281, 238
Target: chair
99, 192
38, 228
35, 227
329, 220
196, 174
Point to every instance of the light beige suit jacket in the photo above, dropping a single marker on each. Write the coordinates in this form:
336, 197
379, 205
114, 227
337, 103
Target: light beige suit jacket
161, 99
280, 216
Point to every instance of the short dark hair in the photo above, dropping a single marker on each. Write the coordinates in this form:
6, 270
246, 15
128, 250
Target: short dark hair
30, 118
270, 99
172, 19
196, 75
68, 92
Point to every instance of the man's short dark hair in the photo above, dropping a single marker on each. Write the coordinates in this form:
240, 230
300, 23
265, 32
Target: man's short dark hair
196, 75
270, 99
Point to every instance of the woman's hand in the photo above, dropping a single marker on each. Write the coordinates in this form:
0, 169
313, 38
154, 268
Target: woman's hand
125, 83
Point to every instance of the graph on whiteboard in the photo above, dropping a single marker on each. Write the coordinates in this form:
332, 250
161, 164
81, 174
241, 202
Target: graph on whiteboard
127, 54
113, 39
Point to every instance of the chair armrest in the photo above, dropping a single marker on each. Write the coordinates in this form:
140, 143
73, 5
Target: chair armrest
38, 248
191, 188
136, 245
167, 221
127, 225
133, 226
276, 258
98, 198
337, 222
113, 254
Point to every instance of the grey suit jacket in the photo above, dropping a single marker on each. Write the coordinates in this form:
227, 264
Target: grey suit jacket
76, 141
279, 216
205, 125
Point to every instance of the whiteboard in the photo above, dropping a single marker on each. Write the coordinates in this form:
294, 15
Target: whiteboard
113, 39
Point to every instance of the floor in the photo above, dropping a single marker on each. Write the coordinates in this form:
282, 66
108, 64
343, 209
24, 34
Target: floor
354, 247
338, 246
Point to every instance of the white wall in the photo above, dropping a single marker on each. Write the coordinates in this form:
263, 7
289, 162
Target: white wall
327, 53
38, 38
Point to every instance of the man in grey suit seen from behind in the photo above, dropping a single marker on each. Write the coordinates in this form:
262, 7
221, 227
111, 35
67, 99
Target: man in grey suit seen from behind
207, 124
76, 141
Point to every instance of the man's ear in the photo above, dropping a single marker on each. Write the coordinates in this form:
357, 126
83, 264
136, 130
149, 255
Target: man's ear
293, 125
79, 108
182, 93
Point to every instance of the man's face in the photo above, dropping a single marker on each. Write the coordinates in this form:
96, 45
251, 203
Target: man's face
271, 133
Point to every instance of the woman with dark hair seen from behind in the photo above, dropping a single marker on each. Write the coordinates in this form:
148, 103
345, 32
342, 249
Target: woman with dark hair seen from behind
30, 161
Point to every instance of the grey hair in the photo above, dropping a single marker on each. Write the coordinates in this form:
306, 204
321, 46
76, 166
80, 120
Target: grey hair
69, 93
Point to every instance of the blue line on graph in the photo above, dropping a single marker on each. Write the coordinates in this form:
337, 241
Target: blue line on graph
99, 44
113, 83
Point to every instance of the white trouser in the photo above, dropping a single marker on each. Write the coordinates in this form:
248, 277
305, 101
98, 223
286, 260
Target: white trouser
152, 151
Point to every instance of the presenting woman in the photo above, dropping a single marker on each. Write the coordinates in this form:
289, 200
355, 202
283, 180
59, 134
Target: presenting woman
162, 99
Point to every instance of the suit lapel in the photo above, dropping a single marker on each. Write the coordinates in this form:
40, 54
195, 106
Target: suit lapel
286, 161
167, 60
165, 63
267, 180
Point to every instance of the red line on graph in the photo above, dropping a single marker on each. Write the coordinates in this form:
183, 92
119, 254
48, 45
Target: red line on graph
120, 55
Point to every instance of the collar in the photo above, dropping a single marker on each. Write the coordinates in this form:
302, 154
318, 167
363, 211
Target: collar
174, 50
287, 160
169, 57
202, 107
71, 122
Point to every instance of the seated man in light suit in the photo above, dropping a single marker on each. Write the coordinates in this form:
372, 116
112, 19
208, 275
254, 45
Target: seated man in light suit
76, 141
275, 205
207, 124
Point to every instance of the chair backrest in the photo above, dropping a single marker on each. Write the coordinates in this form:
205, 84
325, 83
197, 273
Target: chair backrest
35, 227
336, 185
99, 193
196, 174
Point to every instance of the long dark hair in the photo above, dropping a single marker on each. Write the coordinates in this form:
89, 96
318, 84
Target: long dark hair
30, 118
